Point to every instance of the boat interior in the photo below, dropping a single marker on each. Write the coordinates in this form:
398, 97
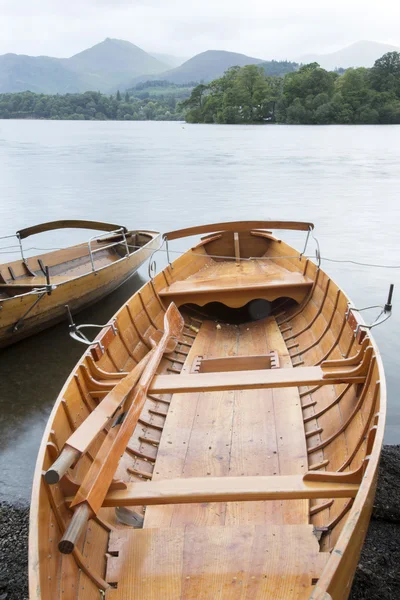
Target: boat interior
252, 444
59, 266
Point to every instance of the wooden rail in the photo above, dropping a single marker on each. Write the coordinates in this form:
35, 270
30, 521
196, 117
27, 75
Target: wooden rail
71, 224
238, 226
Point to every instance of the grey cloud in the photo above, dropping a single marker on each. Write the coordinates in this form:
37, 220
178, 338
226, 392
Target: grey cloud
255, 27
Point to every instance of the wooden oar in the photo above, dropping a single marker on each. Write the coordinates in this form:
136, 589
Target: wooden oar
80, 440
90, 496
78, 443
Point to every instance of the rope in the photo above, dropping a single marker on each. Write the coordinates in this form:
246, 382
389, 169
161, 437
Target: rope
333, 260
363, 264
354, 262
25, 249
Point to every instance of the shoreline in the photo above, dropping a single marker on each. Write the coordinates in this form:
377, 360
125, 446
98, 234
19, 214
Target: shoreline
377, 575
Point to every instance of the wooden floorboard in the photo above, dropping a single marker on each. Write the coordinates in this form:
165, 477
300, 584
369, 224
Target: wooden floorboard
237, 433
253, 444
289, 428
215, 563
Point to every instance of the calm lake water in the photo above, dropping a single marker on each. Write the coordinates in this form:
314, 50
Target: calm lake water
346, 179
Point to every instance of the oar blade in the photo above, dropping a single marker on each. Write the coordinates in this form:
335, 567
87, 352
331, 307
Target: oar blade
173, 321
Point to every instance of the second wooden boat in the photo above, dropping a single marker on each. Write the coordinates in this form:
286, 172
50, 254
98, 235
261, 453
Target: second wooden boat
35, 290
222, 443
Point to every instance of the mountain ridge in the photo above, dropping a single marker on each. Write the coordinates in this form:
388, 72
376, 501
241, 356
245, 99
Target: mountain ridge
118, 64
206, 66
103, 67
359, 54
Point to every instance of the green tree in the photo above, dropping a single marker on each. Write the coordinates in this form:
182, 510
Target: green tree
385, 74
354, 88
389, 113
252, 92
309, 95
296, 113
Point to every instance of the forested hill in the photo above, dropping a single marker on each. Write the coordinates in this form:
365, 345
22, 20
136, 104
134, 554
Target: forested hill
278, 68
310, 95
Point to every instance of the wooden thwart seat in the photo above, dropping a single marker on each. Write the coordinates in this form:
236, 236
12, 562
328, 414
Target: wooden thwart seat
250, 380
195, 490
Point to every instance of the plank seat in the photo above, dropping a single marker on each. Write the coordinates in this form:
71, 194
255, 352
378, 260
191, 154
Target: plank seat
249, 380
236, 284
193, 490
205, 563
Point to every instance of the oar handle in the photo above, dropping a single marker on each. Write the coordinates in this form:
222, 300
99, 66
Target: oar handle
74, 529
61, 465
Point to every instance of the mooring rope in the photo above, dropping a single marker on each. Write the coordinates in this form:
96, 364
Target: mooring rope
4, 250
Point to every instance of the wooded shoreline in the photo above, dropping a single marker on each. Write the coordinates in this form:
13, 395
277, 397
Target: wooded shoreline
309, 95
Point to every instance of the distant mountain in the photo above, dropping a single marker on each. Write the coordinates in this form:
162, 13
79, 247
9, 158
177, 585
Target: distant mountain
105, 67
360, 54
19, 73
112, 63
207, 66
117, 64
169, 60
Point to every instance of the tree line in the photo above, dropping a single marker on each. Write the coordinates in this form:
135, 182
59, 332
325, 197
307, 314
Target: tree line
90, 106
304, 95
310, 95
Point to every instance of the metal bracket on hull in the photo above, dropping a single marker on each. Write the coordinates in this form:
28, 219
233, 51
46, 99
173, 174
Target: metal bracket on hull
152, 268
76, 333
20, 321
360, 329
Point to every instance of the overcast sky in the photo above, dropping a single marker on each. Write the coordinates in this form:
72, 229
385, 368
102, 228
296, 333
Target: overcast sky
258, 28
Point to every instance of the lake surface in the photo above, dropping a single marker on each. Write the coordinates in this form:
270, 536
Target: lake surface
346, 179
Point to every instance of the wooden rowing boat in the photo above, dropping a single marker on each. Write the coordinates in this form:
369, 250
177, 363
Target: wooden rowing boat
35, 290
232, 457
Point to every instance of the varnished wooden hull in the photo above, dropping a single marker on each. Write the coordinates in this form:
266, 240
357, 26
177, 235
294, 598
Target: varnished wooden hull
78, 293
256, 484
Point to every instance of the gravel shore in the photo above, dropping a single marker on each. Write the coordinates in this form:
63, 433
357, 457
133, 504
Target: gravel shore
377, 576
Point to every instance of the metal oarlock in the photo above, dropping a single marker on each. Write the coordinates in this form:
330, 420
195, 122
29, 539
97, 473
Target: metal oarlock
76, 333
20, 246
384, 315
